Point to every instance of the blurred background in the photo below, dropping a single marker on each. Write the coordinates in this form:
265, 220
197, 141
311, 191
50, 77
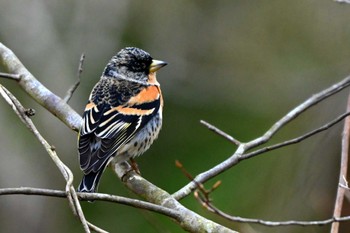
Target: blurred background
240, 65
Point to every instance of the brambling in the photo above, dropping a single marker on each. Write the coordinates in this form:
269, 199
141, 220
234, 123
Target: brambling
123, 115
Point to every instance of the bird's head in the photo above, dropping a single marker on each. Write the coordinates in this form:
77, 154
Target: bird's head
132, 63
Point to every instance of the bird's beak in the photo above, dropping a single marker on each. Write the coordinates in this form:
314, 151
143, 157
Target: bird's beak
156, 65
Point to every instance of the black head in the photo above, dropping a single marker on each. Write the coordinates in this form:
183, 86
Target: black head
132, 63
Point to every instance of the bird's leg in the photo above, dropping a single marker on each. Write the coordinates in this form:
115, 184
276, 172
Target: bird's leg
134, 166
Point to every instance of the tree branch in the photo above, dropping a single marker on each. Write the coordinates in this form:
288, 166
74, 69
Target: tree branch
162, 201
243, 147
343, 170
67, 174
342, 1
295, 140
15, 77
189, 220
313, 100
76, 84
206, 203
220, 132
277, 223
92, 197
37, 91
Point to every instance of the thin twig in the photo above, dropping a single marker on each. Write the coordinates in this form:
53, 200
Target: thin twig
96, 228
294, 113
33, 191
38, 91
342, 1
76, 84
345, 185
15, 77
92, 197
295, 140
243, 147
20, 111
202, 195
212, 208
189, 220
201, 190
343, 170
220, 132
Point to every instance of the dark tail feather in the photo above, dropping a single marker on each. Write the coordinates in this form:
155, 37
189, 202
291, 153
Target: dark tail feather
90, 182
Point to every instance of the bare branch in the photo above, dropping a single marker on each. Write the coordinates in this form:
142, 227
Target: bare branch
313, 100
295, 140
188, 220
76, 84
95, 228
220, 132
209, 206
59, 108
162, 200
345, 184
92, 197
202, 195
243, 147
343, 170
342, 1
212, 208
15, 77
282, 144
39, 92
67, 174
33, 191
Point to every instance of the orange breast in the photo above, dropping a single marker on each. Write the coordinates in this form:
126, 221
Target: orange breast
148, 94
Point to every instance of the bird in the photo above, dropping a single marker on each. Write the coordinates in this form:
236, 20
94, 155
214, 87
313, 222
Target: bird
123, 115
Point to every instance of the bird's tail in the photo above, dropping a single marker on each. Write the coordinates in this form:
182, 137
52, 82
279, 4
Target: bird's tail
90, 181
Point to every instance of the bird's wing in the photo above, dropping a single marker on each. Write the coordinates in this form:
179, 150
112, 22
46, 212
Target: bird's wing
115, 113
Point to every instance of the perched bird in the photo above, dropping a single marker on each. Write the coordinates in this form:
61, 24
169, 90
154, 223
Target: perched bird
123, 115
